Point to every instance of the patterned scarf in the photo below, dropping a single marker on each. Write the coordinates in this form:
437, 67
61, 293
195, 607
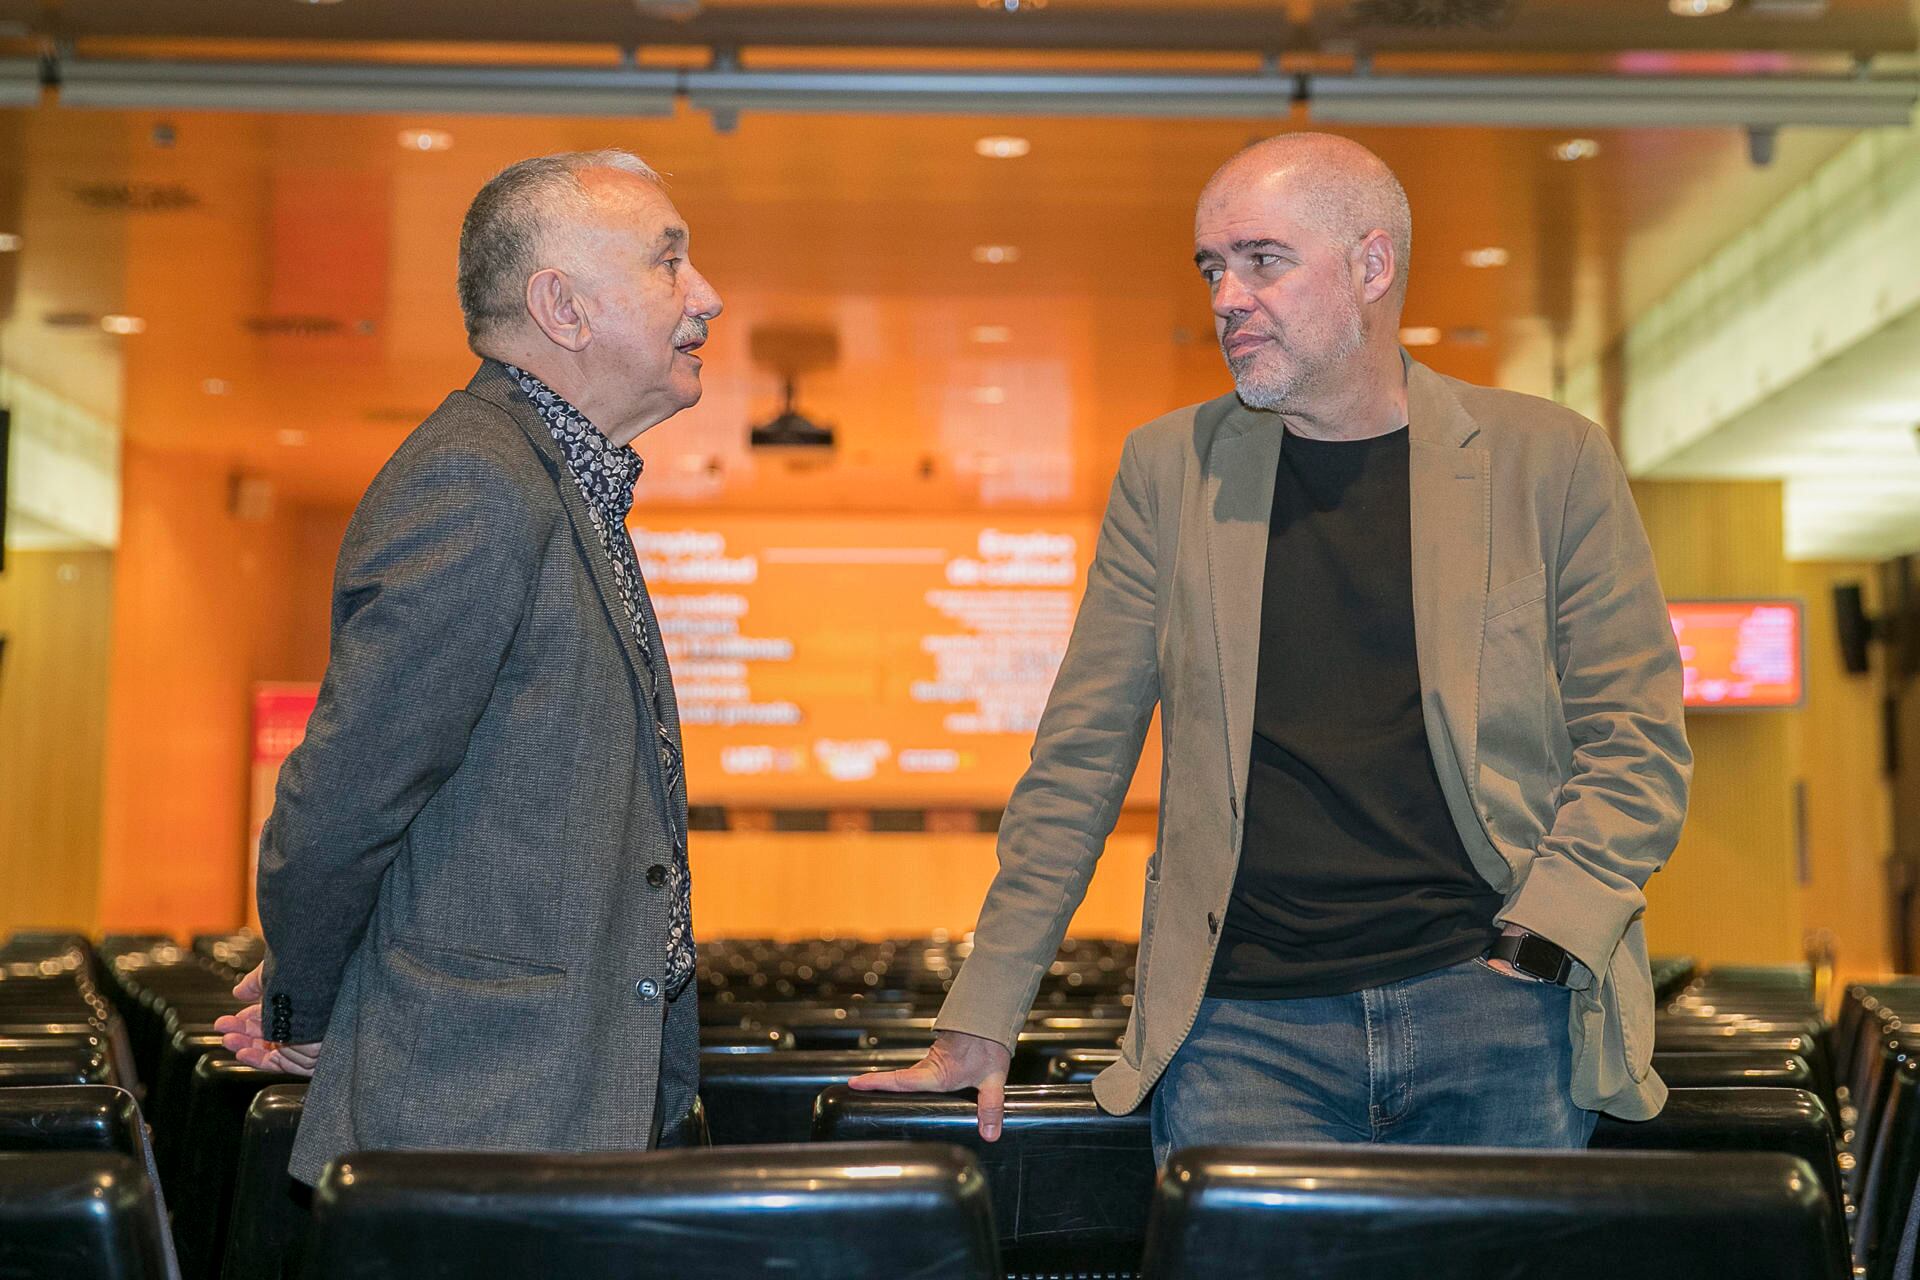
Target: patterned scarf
606, 474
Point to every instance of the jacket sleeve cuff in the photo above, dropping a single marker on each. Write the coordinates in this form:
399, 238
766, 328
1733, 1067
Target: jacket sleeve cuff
990, 998
1563, 904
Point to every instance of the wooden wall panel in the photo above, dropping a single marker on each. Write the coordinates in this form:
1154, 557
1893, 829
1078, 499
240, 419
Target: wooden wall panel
54, 611
1729, 894
787, 885
1849, 799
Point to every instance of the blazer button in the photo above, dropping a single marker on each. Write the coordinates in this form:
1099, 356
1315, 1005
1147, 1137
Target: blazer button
656, 875
1213, 923
647, 989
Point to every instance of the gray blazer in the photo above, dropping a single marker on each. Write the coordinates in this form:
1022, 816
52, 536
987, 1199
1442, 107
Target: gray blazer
454, 883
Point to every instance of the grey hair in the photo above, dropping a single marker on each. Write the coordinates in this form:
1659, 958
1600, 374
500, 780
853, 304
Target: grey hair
501, 236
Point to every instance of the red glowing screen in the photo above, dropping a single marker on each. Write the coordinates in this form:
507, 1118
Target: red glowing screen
1740, 653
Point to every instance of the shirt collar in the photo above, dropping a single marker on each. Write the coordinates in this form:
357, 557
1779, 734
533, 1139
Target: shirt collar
605, 472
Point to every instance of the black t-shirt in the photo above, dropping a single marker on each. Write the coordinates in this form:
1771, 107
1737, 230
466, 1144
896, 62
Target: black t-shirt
1351, 873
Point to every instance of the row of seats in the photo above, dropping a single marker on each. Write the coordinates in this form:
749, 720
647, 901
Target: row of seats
1067, 1191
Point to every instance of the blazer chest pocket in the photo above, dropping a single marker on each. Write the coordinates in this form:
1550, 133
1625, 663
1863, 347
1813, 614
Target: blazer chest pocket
1518, 594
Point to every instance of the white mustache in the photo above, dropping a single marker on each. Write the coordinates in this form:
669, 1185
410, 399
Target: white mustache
691, 330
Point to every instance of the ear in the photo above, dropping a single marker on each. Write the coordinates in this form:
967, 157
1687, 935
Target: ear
1378, 267
557, 309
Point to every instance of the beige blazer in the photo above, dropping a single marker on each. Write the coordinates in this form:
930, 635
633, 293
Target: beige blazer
1548, 672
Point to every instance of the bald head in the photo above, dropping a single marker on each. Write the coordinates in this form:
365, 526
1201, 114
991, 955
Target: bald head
1303, 242
1332, 183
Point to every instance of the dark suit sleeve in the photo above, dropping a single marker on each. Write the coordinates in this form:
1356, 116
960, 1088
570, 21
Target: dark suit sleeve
434, 577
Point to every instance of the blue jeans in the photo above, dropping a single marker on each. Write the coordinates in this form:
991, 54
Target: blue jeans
1462, 1056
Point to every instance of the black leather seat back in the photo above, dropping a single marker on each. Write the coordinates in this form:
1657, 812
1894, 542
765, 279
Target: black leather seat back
1383, 1213
1791, 1121
1071, 1184
852, 1212
768, 1097
271, 1212
80, 1215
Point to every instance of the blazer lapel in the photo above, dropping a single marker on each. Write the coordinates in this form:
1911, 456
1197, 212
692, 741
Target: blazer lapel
1239, 504
495, 385
1449, 483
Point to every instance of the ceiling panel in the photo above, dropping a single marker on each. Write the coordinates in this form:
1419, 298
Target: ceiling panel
1851, 26
295, 278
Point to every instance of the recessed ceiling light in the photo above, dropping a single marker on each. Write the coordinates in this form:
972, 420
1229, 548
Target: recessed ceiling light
996, 253
425, 139
1493, 256
9, 243
989, 334
292, 437
319, 1
216, 386
1577, 149
1699, 8
1421, 336
123, 324
1001, 146
989, 395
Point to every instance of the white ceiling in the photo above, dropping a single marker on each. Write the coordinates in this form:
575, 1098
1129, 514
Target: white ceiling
1846, 440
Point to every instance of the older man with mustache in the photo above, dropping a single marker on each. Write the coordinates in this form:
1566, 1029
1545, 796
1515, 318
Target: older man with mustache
474, 883
1421, 711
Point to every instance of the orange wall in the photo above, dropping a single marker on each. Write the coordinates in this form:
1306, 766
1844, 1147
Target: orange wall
205, 604
54, 611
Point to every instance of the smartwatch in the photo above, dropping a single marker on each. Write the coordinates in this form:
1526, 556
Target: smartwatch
1533, 956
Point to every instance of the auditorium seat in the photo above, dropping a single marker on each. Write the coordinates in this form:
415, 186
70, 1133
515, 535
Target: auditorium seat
1890, 1173
271, 1211
219, 1094
1726, 1068
1078, 1066
87, 1117
691, 1130
80, 1058
1071, 1184
850, 1212
745, 1039
80, 1215
1790, 1121
1386, 1213
768, 1097
172, 1093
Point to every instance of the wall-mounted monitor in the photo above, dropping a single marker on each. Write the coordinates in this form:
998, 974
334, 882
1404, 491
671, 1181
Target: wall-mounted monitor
1740, 654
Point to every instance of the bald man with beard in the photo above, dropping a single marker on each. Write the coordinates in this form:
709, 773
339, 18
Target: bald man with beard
1421, 728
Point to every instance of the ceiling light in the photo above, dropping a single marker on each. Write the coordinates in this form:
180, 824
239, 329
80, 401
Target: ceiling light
9, 243
1698, 8
990, 334
1002, 147
985, 253
1492, 256
426, 139
123, 324
1422, 336
1577, 149
292, 437
216, 386
989, 395
319, 1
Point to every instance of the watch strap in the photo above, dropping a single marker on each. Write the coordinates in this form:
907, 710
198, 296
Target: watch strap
1534, 956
